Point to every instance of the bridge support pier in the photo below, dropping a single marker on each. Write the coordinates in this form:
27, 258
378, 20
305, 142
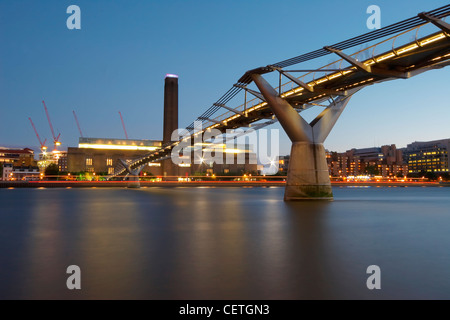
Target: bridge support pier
133, 175
133, 182
308, 176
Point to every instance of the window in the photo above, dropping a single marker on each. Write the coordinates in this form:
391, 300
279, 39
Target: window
89, 161
109, 162
110, 170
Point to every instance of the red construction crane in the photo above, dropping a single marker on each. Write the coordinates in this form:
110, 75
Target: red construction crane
78, 124
43, 147
55, 138
123, 125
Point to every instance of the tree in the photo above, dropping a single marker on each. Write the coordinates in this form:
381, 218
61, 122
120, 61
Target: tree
52, 170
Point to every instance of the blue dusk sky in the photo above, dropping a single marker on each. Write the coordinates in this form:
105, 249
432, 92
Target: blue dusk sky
119, 58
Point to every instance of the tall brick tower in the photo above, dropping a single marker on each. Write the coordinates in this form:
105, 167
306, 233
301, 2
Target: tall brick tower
170, 118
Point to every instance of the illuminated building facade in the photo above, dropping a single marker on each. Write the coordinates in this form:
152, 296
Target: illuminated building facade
386, 161
118, 144
430, 156
101, 155
283, 163
18, 164
18, 157
62, 161
13, 173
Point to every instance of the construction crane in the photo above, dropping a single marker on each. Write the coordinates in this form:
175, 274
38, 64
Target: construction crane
123, 125
78, 124
55, 138
43, 147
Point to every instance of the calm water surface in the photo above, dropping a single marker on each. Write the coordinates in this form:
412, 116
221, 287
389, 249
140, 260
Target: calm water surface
224, 243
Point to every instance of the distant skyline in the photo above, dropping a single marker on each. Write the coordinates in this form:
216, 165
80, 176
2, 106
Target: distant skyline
119, 58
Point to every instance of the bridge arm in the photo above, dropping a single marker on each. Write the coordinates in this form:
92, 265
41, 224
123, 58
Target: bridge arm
369, 69
444, 26
212, 120
306, 86
253, 92
295, 80
230, 109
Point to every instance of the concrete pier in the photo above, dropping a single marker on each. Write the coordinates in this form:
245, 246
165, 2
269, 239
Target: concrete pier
307, 176
133, 182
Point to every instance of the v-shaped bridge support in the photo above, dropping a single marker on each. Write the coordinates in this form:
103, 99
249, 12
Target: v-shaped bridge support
308, 176
133, 175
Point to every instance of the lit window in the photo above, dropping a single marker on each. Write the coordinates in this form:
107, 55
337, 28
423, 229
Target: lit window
109, 162
110, 170
89, 161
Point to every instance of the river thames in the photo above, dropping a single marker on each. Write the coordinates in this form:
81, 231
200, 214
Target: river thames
224, 243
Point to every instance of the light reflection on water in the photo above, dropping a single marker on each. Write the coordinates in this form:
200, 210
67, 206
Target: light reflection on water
224, 243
